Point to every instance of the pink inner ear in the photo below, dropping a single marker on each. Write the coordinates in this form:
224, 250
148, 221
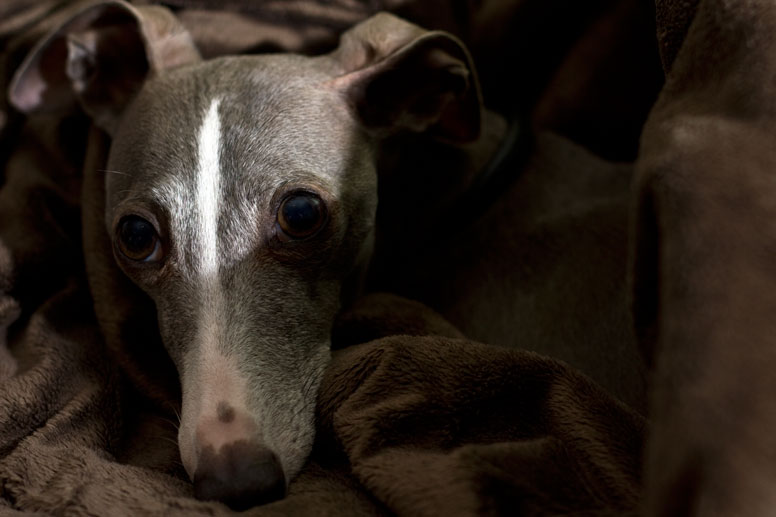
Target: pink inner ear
28, 93
116, 33
40, 83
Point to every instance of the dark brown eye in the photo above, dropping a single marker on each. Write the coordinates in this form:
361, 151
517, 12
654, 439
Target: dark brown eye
137, 239
301, 214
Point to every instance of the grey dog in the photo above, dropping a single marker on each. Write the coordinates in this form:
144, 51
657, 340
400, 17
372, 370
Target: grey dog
240, 196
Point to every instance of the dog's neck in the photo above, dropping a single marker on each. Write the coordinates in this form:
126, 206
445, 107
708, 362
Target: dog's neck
429, 189
422, 179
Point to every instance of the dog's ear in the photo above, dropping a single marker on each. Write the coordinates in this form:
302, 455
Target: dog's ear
100, 58
397, 75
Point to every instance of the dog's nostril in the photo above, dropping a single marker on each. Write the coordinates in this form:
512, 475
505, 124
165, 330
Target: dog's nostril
240, 475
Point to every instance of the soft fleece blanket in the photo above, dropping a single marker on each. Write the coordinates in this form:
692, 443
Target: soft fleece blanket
704, 280
414, 417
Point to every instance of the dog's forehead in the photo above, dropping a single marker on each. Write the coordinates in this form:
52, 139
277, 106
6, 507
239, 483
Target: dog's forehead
276, 123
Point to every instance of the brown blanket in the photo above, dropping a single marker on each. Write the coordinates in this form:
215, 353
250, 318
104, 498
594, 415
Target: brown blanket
704, 276
413, 417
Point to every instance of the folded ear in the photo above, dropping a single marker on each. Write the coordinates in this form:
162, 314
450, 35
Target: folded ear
397, 75
100, 57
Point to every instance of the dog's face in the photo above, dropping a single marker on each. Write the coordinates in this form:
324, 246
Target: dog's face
240, 195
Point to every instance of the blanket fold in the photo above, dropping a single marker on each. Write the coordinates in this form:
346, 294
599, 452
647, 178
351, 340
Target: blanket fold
434, 425
703, 277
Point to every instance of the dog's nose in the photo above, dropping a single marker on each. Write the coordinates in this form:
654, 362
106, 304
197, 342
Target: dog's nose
241, 475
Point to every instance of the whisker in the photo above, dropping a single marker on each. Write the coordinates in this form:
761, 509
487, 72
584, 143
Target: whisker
175, 410
114, 172
172, 423
165, 438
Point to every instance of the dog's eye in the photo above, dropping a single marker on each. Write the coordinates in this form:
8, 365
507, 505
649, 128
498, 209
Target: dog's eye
138, 239
301, 214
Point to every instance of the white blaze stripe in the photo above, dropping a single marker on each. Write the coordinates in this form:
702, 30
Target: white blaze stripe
209, 190
212, 303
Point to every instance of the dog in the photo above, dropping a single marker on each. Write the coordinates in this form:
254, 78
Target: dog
240, 196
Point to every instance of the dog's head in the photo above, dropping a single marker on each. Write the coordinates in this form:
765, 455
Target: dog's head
240, 196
